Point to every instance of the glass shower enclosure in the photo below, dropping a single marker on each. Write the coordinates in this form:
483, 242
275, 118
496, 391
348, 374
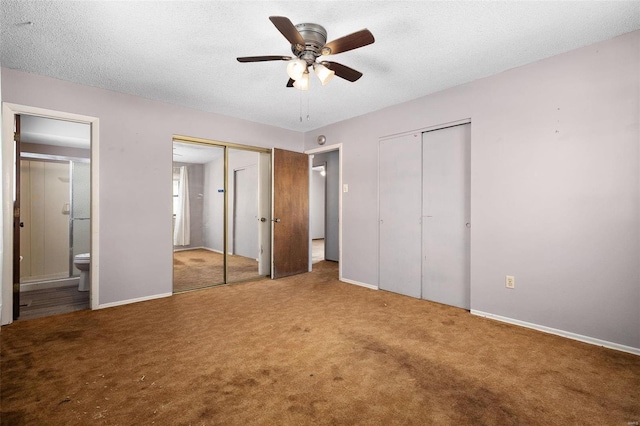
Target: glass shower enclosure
80, 212
56, 204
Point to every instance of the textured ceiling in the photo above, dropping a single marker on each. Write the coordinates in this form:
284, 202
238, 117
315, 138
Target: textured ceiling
184, 52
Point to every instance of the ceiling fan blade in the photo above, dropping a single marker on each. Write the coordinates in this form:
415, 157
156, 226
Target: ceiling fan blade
350, 42
287, 29
263, 58
343, 71
290, 82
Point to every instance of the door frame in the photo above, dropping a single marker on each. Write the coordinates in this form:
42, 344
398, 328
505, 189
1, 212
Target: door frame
9, 111
328, 148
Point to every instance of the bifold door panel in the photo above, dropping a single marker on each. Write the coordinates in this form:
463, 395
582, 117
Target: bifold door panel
400, 193
445, 210
424, 217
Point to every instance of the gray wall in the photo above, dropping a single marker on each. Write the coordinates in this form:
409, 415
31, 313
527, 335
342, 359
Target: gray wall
555, 193
196, 204
135, 172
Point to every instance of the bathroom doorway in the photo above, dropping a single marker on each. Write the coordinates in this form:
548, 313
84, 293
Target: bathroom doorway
10, 162
221, 213
53, 187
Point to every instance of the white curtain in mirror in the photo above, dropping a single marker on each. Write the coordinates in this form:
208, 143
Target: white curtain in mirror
182, 229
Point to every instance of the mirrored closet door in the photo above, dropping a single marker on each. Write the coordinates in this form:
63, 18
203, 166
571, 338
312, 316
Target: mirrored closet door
221, 213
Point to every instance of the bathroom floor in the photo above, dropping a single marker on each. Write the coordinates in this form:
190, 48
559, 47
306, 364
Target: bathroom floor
52, 301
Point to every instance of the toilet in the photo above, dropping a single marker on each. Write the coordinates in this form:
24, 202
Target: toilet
83, 262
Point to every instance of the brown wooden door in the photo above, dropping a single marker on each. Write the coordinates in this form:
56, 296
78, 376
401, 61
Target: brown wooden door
16, 225
290, 213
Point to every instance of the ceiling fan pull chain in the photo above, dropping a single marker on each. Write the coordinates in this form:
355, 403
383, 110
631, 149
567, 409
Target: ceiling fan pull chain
301, 106
308, 117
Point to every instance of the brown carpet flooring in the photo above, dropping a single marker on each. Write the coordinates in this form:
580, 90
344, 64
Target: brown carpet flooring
199, 268
306, 349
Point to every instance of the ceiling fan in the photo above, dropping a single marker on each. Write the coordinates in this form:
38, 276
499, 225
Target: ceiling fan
309, 44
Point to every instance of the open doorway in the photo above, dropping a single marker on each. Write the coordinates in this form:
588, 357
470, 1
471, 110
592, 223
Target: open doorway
55, 216
11, 285
325, 201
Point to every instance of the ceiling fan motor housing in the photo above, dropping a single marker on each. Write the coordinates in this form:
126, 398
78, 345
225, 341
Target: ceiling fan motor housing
315, 37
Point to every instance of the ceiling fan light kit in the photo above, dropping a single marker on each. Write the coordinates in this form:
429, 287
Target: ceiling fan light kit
324, 74
302, 83
308, 44
296, 68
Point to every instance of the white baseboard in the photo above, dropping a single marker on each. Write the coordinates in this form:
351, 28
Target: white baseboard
562, 333
136, 300
216, 251
41, 285
369, 286
187, 248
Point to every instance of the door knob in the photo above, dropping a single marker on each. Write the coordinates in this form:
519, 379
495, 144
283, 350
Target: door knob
263, 219
276, 220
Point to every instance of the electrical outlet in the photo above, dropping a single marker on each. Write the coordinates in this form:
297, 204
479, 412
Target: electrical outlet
510, 281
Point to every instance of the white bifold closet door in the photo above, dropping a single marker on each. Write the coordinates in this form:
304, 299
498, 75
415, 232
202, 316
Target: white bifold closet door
400, 206
446, 215
425, 215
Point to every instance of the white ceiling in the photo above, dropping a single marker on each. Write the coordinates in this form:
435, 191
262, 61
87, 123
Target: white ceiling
185, 53
195, 153
48, 131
